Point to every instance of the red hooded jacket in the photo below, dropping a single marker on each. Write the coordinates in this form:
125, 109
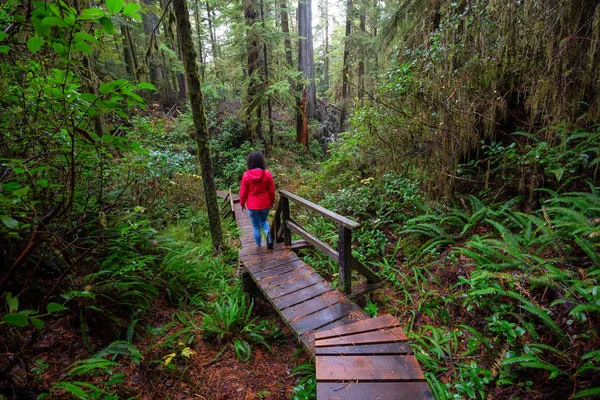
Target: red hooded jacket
257, 190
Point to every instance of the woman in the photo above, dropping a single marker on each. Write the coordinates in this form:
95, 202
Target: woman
257, 193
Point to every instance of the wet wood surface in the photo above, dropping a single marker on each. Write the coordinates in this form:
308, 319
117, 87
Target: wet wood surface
357, 357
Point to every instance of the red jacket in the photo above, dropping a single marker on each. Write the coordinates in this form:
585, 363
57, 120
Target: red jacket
257, 189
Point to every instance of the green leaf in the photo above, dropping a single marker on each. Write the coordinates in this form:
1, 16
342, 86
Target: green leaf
130, 8
13, 302
55, 307
145, 85
83, 47
42, 182
38, 323
107, 25
86, 36
559, 172
53, 21
72, 388
9, 222
3, 35
114, 6
19, 320
4, 49
21, 192
91, 13
593, 392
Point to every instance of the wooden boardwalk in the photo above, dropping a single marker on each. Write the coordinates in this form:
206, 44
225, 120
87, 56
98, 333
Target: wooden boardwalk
357, 357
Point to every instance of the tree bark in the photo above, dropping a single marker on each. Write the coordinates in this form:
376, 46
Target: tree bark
213, 36
306, 63
136, 65
266, 65
127, 54
362, 53
184, 31
253, 103
150, 21
285, 28
325, 16
198, 17
346, 68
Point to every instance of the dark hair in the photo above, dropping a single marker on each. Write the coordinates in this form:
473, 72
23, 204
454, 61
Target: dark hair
256, 160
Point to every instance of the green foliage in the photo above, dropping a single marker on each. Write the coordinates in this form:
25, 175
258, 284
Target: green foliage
229, 322
306, 387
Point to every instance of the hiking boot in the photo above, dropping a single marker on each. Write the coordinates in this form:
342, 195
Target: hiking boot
270, 246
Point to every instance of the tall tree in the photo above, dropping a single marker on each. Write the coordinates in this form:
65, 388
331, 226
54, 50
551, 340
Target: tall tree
150, 21
253, 95
362, 53
346, 67
306, 100
266, 65
213, 36
285, 29
306, 62
184, 31
197, 17
325, 17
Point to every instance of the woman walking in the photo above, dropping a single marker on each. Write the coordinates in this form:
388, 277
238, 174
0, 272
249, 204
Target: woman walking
257, 193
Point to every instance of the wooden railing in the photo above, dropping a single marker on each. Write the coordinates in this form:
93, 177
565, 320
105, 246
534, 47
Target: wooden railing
227, 204
283, 226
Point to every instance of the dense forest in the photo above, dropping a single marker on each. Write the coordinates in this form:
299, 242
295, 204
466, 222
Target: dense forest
464, 136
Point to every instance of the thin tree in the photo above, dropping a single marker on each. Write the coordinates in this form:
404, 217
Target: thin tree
184, 30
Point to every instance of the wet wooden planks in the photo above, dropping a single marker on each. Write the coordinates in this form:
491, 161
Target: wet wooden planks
307, 302
369, 359
356, 357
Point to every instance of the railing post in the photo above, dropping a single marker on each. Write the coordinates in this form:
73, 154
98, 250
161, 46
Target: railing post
345, 258
285, 216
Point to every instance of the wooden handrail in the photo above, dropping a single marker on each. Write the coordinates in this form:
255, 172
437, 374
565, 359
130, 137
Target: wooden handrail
343, 254
337, 218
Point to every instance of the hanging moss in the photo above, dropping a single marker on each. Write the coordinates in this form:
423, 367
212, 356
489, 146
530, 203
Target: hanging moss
481, 68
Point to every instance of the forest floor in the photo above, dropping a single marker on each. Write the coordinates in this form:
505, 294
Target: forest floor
267, 375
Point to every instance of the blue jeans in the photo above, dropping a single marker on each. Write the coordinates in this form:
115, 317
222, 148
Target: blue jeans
259, 220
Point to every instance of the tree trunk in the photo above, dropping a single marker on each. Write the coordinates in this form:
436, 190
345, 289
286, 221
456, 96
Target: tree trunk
306, 63
253, 125
345, 69
302, 121
266, 65
150, 21
197, 17
213, 36
325, 16
184, 30
127, 54
136, 65
285, 28
362, 54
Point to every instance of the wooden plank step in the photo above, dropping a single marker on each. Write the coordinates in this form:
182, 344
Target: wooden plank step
382, 321
373, 391
357, 368
384, 335
397, 348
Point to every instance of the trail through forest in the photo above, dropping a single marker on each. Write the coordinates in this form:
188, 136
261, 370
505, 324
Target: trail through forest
463, 137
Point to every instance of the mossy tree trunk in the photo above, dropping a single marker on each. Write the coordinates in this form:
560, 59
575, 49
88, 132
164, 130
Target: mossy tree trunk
184, 31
